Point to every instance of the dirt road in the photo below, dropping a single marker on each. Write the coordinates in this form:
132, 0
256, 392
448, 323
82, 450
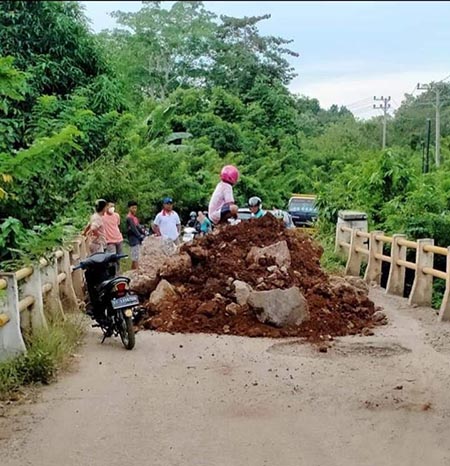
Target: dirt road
199, 400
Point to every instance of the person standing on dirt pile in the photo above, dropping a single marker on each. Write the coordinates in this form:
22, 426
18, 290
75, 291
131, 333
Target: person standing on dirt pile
193, 222
167, 223
255, 206
95, 230
205, 224
221, 206
135, 234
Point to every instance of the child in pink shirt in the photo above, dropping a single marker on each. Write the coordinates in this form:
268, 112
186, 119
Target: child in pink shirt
221, 205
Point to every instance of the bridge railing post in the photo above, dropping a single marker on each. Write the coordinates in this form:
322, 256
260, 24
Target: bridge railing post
77, 275
444, 312
50, 277
32, 286
340, 237
70, 298
83, 247
422, 289
11, 340
355, 258
396, 280
373, 270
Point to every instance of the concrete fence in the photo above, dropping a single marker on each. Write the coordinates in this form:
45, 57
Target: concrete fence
360, 247
30, 294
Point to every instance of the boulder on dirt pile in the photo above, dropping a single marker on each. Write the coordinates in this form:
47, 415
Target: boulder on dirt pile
163, 294
280, 307
176, 267
242, 292
277, 252
153, 256
341, 286
357, 282
141, 283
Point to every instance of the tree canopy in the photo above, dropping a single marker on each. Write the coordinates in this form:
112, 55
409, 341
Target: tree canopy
157, 105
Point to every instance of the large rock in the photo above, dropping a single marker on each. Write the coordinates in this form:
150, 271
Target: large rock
242, 292
357, 282
168, 247
164, 292
278, 252
280, 307
176, 266
348, 285
153, 256
142, 283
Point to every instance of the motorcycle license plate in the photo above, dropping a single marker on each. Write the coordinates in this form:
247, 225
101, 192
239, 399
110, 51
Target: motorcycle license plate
125, 301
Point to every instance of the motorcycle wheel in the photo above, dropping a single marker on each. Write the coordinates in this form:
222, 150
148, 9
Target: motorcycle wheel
126, 332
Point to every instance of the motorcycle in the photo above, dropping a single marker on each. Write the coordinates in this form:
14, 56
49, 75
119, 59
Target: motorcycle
115, 308
189, 233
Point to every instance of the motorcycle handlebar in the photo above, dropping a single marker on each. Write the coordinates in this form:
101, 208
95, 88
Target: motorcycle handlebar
82, 265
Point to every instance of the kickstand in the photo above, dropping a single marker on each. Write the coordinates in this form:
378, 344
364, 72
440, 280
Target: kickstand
104, 337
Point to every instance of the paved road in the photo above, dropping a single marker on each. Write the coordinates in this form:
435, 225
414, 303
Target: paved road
199, 400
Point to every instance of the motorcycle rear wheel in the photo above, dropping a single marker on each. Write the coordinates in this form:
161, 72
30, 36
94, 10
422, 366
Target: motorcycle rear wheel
126, 332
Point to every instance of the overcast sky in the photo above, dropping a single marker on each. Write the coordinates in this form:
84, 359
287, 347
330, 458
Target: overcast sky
349, 51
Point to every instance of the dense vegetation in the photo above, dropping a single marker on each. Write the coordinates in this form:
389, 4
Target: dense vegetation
158, 105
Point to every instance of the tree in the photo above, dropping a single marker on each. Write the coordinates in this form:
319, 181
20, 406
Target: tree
241, 55
51, 43
159, 50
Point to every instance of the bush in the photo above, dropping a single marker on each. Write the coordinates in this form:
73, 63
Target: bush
48, 352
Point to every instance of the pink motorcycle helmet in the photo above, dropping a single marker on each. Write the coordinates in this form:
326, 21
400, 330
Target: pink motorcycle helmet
229, 174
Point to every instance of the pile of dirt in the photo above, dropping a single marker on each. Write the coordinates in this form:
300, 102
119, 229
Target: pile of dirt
202, 291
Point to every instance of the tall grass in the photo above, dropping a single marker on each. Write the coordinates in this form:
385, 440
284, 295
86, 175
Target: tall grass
330, 261
48, 351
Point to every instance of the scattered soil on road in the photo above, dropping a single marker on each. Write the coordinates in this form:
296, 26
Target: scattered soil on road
220, 258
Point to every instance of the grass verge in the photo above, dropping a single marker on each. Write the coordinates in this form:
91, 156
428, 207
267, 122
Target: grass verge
48, 351
331, 262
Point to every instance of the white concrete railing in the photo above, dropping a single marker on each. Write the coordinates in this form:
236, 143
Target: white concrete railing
29, 293
360, 246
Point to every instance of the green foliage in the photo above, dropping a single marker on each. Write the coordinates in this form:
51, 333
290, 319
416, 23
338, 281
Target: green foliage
52, 42
158, 105
12, 83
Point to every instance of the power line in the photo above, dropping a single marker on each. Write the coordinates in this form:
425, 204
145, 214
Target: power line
356, 109
444, 79
367, 99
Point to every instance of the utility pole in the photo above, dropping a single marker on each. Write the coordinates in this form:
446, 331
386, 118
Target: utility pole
384, 106
437, 105
427, 158
423, 155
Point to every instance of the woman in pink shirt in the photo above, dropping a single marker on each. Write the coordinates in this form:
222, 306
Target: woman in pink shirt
222, 206
95, 230
111, 223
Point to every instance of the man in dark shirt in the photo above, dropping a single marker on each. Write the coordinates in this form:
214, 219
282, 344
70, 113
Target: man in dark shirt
135, 234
